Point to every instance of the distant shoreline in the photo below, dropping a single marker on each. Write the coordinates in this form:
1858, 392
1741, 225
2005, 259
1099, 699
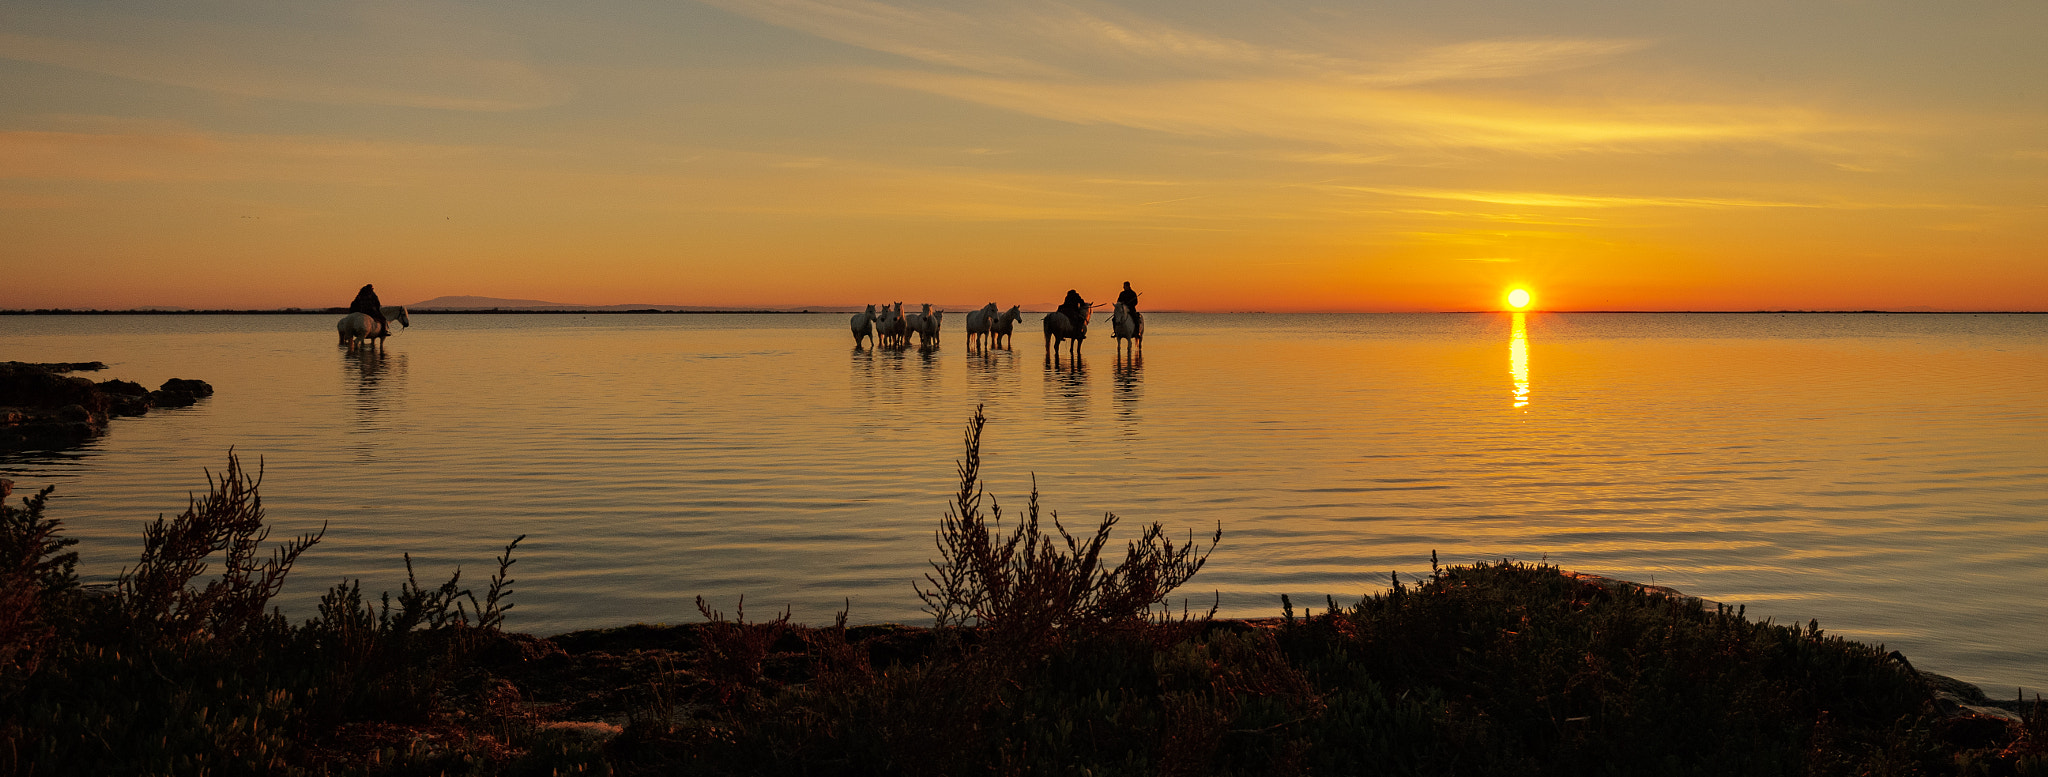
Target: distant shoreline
814, 312
344, 311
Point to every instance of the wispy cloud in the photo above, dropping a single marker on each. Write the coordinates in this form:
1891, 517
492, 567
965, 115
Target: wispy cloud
1088, 64
355, 54
174, 155
1079, 40
1555, 200
1360, 118
663, 179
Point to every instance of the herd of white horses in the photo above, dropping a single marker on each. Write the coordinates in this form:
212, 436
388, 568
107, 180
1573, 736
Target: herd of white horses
890, 327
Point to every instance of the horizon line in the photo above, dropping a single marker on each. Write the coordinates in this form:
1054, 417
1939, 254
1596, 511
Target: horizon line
825, 309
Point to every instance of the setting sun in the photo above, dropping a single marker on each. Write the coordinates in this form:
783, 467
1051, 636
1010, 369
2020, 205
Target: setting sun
1519, 299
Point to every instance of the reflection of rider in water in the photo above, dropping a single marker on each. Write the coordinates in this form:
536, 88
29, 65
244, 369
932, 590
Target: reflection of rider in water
367, 304
1075, 308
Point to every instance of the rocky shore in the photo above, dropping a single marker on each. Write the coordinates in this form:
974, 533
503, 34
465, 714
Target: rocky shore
43, 406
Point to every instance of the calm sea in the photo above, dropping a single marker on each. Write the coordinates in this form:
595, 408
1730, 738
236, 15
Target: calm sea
1884, 474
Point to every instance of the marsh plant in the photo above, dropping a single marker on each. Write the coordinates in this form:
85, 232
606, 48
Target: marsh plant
1028, 584
176, 672
157, 593
37, 574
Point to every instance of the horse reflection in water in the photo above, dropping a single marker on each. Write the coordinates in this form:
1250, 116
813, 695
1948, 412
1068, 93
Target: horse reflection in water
374, 374
1129, 386
992, 374
1066, 382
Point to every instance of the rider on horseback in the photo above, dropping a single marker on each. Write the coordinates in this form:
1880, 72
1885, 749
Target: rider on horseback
367, 304
1129, 299
1075, 308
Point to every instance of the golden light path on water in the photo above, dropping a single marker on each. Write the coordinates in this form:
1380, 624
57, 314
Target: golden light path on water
1518, 358
1880, 473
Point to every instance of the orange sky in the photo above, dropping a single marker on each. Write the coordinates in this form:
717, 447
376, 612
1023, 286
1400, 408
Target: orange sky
1282, 156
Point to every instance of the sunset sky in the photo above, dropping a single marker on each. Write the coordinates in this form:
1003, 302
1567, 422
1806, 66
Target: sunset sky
1219, 155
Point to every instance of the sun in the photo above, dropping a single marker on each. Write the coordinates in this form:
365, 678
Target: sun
1519, 299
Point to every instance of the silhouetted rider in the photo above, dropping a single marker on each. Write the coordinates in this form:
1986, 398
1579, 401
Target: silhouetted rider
367, 304
1075, 308
1129, 299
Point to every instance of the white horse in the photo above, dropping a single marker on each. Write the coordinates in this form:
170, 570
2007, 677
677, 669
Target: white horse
863, 326
358, 328
1000, 327
889, 325
913, 324
929, 335
979, 322
1127, 327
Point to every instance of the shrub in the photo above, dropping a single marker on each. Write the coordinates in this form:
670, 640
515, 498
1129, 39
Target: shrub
36, 574
732, 651
156, 594
1029, 585
167, 675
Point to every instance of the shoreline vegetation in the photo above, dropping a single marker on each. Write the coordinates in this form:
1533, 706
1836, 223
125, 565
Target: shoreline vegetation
1049, 653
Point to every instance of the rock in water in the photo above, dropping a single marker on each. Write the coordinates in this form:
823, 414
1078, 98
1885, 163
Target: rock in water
197, 388
125, 397
179, 392
69, 366
41, 407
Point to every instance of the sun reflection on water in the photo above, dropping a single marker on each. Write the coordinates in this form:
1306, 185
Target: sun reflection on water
1518, 359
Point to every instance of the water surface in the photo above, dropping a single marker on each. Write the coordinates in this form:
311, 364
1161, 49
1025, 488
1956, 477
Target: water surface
1884, 474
